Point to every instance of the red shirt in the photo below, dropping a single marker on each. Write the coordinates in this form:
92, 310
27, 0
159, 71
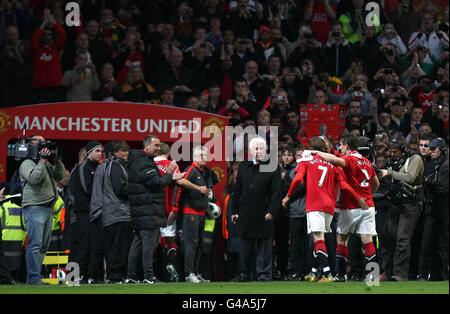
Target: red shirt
358, 172
320, 184
46, 60
134, 59
321, 22
425, 100
162, 167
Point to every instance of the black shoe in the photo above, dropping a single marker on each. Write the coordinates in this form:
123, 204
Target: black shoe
10, 282
340, 278
243, 278
356, 277
294, 277
422, 277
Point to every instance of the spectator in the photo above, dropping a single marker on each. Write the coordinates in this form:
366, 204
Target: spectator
242, 19
38, 174
130, 55
306, 47
354, 20
99, 50
337, 51
405, 19
368, 50
320, 14
390, 35
257, 86
177, 75
254, 215
111, 32
358, 91
241, 54
71, 51
46, 52
82, 81
167, 96
265, 46
109, 89
16, 70
426, 36
137, 89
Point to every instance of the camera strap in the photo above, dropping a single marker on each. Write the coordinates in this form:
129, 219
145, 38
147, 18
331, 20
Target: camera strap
55, 192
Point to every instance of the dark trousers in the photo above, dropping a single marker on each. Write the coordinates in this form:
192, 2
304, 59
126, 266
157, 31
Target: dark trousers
80, 238
398, 232
300, 250
119, 237
98, 249
259, 249
141, 251
5, 274
281, 235
434, 249
193, 226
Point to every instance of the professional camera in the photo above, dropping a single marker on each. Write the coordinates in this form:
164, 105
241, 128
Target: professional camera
26, 149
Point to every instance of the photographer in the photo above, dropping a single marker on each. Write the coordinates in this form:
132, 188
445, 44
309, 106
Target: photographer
82, 80
434, 250
39, 174
406, 194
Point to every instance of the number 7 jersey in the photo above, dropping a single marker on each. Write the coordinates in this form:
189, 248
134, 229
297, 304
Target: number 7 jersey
322, 179
358, 173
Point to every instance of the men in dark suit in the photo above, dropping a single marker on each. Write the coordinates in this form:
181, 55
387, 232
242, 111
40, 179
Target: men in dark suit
257, 200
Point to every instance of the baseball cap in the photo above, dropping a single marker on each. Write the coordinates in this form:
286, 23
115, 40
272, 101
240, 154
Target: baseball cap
437, 142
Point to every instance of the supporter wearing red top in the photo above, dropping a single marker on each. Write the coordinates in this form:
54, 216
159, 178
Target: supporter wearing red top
46, 53
321, 178
320, 14
129, 57
362, 177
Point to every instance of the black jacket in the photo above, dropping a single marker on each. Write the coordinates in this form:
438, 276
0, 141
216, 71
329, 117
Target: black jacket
191, 199
439, 190
146, 194
256, 194
82, 192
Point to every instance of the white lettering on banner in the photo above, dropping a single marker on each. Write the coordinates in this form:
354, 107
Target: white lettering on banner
167, 126
96, 124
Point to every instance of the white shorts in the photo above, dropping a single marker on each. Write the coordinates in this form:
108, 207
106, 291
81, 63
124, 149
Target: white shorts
319, 221
357, 221
169, 231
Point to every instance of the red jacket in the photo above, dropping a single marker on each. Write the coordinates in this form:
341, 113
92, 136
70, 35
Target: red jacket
46, 60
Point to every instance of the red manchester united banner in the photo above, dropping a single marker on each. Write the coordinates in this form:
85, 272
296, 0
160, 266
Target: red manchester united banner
107, 121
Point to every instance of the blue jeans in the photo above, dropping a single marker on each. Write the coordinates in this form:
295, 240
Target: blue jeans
38, 223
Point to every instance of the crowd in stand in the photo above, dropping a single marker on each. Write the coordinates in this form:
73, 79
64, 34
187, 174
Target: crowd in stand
255, 61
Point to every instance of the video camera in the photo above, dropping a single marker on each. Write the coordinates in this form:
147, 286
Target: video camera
29, 148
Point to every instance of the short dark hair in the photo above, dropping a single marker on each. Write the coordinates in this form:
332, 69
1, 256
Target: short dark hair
318, 143
148, 139
351, 141
120, 146
426, 137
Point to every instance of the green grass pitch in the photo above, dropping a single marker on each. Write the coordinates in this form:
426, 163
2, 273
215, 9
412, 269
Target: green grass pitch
411, 287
